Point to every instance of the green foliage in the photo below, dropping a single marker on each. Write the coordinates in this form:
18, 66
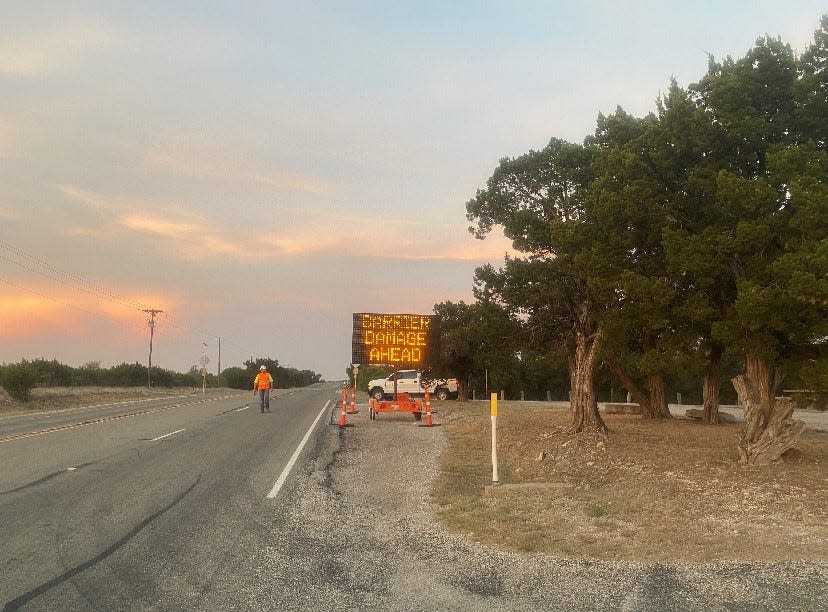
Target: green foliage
809, 374
595, 511
545, 304
19, 379
478, 345
524, 195
89, 374
813, 85
699, 230
237, 378
51, 373
541, 373
283, 377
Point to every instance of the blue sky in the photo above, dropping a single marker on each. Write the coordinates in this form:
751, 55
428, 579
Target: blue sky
260, 171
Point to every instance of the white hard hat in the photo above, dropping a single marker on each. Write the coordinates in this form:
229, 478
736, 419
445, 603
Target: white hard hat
263, 367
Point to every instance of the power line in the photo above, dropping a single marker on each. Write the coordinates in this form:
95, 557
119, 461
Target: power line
57, 274
70, 305
33, 264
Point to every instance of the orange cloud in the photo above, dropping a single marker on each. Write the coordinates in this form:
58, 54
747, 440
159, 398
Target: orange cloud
384, 239
304, 244
201, 241
193, 241
193, 238
399, 241
54, 311
8, 215
468, 249
160, 227
97, 201
23, 315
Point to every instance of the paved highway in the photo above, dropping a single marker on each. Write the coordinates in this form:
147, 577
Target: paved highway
143, 505
176, 504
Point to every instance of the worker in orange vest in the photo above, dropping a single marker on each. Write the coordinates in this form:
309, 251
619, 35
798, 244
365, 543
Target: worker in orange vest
263, 383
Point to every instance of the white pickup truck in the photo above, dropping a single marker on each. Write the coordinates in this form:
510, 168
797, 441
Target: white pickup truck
410, 381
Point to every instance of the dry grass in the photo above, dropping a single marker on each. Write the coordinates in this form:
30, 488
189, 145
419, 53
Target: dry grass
655, 491
59, 398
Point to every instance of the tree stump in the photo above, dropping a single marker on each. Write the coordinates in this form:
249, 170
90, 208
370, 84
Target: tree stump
769, 428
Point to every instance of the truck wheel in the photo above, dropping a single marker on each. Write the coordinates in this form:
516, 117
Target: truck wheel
377, 393
418, 416
441, 394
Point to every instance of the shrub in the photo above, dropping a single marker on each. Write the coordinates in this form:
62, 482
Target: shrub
237, 378
18, 380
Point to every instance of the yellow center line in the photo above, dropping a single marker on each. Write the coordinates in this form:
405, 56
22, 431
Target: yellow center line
31, 434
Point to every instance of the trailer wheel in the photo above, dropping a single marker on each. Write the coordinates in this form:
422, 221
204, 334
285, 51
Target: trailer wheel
378, 393
441, 394
418, 416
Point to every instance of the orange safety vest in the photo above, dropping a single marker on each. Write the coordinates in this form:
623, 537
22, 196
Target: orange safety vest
263, 380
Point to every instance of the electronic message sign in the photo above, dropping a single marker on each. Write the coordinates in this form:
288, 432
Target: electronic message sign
399, 340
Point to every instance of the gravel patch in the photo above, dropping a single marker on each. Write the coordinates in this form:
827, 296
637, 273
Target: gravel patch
359, 532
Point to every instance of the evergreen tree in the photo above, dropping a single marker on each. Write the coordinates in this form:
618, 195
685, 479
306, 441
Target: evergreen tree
772, 196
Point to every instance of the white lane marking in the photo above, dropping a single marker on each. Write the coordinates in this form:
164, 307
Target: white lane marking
240, 409
172, 433
71, 469
283, 476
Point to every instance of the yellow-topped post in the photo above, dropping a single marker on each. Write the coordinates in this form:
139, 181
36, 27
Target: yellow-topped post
493, 403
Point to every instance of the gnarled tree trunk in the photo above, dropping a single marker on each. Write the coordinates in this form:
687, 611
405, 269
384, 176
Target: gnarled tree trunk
712, 386
585, 416
769, 429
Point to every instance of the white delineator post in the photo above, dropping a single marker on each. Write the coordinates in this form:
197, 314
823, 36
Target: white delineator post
495, 480
353, 409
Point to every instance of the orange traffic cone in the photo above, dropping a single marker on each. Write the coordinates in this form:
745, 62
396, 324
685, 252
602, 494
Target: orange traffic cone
428, 422
342, 422
353, 409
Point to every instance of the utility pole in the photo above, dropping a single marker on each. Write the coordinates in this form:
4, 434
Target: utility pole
204, 360
151, 312
218, 373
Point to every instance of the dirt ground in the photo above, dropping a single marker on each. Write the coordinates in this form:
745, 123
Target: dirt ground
654, 491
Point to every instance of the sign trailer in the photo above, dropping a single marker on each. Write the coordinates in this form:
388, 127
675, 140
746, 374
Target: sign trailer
400, 341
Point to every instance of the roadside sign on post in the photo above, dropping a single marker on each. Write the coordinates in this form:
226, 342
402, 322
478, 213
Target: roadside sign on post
355, 370
203, 361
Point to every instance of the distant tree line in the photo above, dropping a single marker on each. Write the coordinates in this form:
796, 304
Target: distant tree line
18, 379
690, 244
52, 373
283, 377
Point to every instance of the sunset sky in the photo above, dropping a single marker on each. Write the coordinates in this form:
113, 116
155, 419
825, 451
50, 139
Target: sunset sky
261, 170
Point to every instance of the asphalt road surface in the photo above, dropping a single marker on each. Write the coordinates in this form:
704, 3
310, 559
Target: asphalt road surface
142, 505
203, 503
